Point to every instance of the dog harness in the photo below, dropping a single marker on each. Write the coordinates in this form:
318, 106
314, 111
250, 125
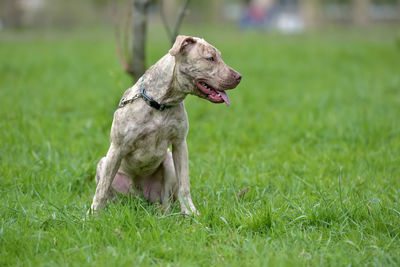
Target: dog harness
142, 94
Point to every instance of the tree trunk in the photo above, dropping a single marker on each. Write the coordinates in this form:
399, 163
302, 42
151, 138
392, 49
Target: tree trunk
11, 13
361, 12
138, 63
311, 10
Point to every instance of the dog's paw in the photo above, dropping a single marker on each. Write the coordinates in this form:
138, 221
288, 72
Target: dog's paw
94, 209
89, 214
192, 212
196, 213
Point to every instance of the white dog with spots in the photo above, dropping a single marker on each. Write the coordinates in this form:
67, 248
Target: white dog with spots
151, 117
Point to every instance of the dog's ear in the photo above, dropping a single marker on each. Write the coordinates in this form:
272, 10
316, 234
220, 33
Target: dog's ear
182, 42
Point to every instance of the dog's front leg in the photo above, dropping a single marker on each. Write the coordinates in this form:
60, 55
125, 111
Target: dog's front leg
110, 167
181, 163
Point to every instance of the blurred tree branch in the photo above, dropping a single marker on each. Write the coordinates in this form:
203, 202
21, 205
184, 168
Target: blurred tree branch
134, 62
182, 13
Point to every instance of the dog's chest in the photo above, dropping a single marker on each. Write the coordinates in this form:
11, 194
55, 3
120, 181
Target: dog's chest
148, 141
155, 136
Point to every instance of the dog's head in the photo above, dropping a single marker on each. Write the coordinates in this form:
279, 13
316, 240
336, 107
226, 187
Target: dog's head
201, 70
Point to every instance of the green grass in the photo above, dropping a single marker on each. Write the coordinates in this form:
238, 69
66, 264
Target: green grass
313, 130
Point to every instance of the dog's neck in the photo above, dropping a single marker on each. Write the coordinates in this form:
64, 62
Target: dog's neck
161, 83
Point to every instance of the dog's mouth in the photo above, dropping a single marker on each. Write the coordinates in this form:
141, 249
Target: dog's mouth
212, 94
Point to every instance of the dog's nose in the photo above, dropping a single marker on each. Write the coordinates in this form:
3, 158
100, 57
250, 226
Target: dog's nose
237, 76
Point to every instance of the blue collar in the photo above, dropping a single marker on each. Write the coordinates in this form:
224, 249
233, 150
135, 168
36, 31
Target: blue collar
150, 101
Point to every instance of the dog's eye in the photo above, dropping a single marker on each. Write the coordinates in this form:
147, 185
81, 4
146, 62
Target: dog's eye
211, 59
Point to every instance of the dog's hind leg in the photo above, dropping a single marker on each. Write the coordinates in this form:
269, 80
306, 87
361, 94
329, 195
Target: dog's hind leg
122, 183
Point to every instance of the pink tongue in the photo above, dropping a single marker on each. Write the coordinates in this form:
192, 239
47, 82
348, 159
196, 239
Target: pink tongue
224, 97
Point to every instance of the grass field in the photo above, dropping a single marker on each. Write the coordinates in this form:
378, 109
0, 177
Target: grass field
313, 130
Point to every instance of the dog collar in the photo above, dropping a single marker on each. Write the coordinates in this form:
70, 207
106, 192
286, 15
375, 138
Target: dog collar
150, 101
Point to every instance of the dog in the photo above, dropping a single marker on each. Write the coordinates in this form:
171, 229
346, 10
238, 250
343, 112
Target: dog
151, 117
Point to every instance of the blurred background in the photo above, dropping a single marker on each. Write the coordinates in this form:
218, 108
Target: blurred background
134, 25
285, 15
